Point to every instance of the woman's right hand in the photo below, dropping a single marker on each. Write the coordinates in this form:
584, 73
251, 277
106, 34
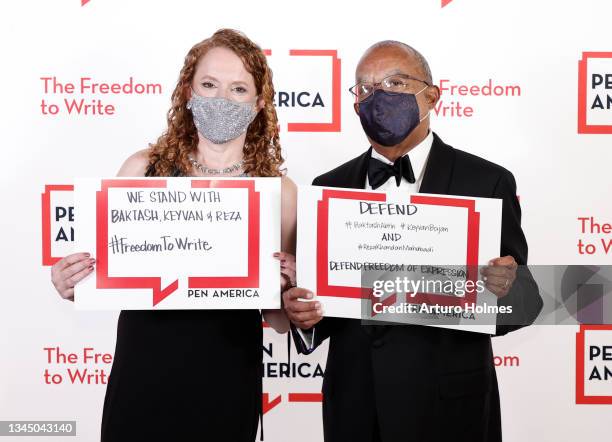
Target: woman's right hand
68, 271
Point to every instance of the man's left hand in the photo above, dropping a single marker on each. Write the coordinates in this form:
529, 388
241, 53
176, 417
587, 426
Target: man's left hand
499, 275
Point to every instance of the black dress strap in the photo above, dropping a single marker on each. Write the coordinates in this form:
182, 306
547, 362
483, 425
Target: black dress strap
150, 171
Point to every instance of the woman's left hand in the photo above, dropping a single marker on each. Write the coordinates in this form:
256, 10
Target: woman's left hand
287, 265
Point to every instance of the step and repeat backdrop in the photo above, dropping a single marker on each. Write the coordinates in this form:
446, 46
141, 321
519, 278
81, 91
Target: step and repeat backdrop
525, 84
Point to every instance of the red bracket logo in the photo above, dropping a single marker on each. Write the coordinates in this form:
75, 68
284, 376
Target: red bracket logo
47, 258
268, 404
603, 374
334, 125
583, 126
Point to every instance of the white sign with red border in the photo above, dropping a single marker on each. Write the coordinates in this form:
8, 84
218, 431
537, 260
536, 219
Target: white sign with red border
342, 232
179, 243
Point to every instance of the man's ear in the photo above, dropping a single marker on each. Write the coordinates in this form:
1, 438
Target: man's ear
356, 107
432, 94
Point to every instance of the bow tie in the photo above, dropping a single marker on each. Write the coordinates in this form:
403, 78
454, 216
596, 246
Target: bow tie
379, 172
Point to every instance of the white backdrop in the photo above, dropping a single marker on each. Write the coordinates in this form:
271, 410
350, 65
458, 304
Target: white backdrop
534, 47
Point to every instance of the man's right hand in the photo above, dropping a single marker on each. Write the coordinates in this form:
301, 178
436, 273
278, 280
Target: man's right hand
303, 314
69, 270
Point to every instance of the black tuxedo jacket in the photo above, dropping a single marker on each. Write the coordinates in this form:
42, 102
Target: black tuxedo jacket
414, 383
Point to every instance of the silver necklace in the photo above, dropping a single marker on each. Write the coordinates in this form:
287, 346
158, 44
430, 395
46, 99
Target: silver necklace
209, 171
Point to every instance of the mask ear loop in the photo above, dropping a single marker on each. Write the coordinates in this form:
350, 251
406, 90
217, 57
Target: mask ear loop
193, 92
427, 114
256, 108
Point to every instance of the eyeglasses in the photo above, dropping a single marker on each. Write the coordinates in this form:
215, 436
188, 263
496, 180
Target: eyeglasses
393, 83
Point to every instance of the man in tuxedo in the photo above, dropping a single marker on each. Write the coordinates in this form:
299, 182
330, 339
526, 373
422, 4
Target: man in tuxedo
407, 383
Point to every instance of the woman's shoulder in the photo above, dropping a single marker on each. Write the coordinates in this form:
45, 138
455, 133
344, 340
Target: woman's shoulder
136, 164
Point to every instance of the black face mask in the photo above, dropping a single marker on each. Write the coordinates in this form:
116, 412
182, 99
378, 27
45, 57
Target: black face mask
389, 117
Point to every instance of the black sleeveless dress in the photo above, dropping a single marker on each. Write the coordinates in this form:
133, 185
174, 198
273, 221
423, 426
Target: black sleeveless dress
185, 375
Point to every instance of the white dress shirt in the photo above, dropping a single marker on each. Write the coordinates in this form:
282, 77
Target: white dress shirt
418, 159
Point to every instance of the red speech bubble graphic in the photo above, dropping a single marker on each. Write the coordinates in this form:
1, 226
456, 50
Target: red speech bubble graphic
473, 232
154, 282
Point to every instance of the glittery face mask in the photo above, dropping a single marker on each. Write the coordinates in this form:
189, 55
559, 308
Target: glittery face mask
219, 119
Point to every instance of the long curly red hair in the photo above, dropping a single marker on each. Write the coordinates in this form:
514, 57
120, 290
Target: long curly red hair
262, 152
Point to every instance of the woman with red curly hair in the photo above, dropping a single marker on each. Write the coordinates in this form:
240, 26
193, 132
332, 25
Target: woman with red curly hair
182, 375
